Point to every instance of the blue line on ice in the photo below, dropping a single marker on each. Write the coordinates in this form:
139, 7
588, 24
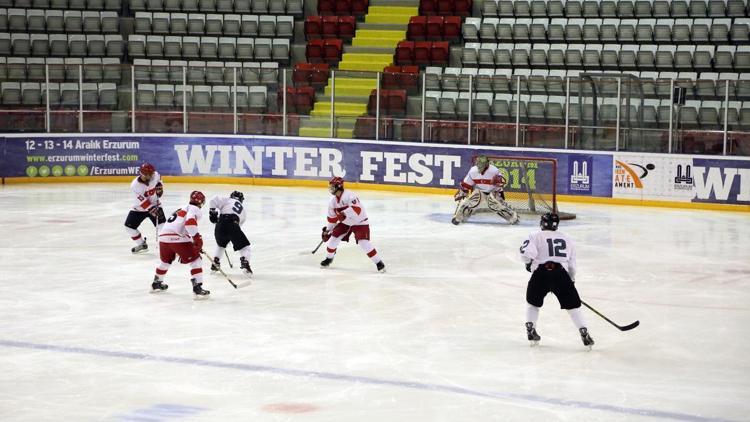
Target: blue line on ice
363, 380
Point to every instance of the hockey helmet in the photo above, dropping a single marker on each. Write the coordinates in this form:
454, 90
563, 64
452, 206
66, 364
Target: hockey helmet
197, 198
335, 184
237, 195
549, 221
482, 163
147, 170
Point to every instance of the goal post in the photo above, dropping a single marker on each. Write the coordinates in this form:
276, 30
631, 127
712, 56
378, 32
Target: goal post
531, 184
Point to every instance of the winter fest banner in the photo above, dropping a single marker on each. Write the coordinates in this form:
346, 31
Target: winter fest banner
294, 158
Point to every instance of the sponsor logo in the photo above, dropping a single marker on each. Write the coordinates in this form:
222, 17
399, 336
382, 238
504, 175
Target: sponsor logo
631, 175
683, 179
581, 171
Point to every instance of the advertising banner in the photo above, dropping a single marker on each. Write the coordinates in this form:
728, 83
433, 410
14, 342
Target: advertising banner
293, 158
681, 178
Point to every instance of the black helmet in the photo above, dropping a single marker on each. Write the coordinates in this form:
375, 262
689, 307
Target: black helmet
549, 221
237, 195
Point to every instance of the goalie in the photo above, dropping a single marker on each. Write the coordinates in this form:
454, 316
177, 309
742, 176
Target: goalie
482, 191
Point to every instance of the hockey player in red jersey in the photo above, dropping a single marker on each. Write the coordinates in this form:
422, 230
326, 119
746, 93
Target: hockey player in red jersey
147, 188
347, 216
180, 237
482, 191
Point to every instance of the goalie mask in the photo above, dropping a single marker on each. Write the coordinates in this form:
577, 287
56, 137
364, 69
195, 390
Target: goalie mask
482, 163
335, 184
549, 221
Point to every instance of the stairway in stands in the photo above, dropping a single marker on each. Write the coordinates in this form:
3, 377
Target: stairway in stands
371, 51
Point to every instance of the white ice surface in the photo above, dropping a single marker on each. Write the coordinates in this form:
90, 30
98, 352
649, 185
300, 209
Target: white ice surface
439, 337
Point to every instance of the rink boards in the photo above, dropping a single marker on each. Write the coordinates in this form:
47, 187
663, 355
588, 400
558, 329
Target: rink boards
585, 176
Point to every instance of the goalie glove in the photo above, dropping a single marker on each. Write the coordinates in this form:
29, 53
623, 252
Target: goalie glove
325, 235
460, 194
498, 181
159, 190
213, 215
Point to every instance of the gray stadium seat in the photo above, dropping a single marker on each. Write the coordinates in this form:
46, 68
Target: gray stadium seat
111, 70
251, 73
224, 6
295, 8
16, 69
21, 44
11, 93
227, 48
221, 98
196, 23
209, 48
242, 6
31, 94
92, 22
214, 25
214, 73
202, 97
191, 48
277, 7
142, 70
232, 25
172, 47
36, 21
178, 23
40, 45
137, 46
142, 23
260, 6
145, 97
196, 72
257, 98
154, 46
35, 70
267, 26
249, 25
92, 69
107, 96
160, 71
110, 22
164, 96
244, 49
176, 70
160, 23
263, 48
172, 5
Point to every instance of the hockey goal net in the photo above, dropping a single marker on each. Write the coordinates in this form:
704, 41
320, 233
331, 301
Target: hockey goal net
530, 184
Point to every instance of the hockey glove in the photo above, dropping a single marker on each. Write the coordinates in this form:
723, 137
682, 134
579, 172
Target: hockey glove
325, 235
459, 195
213, 215
341, 216
159, 190
154, 211
528, 267
197, 243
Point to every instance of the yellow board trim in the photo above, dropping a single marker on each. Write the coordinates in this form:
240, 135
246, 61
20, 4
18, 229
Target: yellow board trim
265, 181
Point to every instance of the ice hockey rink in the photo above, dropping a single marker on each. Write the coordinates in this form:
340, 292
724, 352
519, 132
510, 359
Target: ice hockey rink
439, 337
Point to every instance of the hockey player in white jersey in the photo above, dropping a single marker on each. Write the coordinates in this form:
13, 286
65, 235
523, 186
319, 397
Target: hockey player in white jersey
180, 238
347, 216
481, 191
147, 188
550, 256
228, 213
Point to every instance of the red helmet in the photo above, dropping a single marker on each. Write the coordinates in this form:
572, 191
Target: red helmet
197, 198
147, 169
335, 184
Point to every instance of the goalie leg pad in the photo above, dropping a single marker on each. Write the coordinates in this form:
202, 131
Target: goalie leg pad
497, 204
467, 206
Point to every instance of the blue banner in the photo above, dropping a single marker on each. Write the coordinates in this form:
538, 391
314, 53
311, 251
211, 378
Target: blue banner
295, 158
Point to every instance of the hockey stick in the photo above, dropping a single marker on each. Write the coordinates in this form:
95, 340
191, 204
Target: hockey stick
625, 328
318, 247
228, 259
219, 269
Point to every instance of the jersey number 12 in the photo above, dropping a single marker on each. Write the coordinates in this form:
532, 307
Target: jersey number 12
556, 247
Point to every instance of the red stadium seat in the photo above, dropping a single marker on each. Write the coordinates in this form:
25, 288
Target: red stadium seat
326, 7
304, 99
330, 27
462, 8
428, 7
343, 7
390, 77
439, 53
417, 28
319, 77
422, 53
452, 28
445, 7
405, 53
434, 31
314, 52
396, 102
346, 27
408, 78
302, 74
359, 7
313, 27
332, 50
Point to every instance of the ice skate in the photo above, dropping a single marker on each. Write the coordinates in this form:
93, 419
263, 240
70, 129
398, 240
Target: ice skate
586, 338
381, 267
140, 248
158, 286
532, 335
198, 290
215, 265
246, 267
326, 262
